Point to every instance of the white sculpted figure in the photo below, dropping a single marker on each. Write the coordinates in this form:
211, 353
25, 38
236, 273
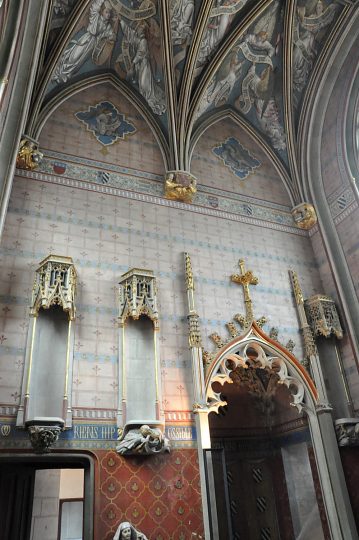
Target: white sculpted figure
126, 531
98, 33
144, 441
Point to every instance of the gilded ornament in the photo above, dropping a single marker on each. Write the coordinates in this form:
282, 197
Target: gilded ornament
194, 331
296, 287
217, 339
29, 156
180, 186
189, 273
232, 329
246, 278
304, 216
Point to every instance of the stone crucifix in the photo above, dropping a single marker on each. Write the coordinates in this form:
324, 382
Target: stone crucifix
246, 278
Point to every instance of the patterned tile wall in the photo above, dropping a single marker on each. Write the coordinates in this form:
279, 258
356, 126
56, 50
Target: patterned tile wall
106, 235
160, 496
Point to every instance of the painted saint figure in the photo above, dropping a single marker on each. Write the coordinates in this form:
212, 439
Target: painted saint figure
135, 43
182, 12
307, 30
126, 531
99, 37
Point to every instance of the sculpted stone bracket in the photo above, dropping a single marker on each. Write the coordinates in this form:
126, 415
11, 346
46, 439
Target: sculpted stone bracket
347, 431
143, 440
180, 186
29, 156
44, 434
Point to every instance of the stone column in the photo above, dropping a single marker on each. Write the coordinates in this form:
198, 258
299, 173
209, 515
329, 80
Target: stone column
334, 490
34, 19
200, 408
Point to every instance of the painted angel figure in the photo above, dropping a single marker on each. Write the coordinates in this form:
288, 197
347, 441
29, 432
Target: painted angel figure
97, 41
136, 42
126, 531
307, 26
182, 12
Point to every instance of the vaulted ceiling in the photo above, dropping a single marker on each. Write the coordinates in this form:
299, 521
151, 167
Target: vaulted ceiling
185, 64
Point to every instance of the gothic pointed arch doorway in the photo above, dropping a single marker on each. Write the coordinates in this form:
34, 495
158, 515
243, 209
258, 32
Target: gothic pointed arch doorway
267, 477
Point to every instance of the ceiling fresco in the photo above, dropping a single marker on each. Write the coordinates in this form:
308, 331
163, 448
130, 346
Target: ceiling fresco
250, 78
312, 21
183, 62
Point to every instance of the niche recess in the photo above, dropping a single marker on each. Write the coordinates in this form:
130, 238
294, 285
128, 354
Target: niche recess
139, 365
45, 407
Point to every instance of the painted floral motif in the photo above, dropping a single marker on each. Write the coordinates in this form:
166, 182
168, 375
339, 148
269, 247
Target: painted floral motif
236, 157
106, 123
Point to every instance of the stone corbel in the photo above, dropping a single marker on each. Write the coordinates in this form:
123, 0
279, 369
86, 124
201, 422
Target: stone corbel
347, 431
29, 156
143, 440
44, 433
180, 186
304, 216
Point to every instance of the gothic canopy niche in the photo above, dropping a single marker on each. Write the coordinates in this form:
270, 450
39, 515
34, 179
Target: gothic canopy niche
140, 415
181, 62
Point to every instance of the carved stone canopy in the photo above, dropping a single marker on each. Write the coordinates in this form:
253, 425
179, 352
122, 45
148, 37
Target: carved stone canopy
55, 284
323, 316
138, 295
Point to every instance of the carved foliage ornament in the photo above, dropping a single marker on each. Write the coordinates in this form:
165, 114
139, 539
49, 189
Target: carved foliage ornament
347, 431
55, 284
43, 437
137, 291
251, 355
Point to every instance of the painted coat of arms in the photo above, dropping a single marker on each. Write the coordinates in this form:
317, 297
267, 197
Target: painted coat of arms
236, 157
106, 123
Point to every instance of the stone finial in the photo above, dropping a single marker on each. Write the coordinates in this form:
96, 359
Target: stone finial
29, 156
304, 216
180, 186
